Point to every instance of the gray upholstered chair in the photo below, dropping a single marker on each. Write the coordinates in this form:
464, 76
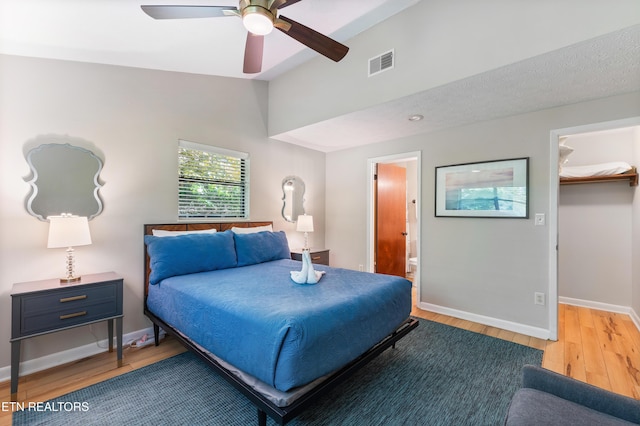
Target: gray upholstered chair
549, 398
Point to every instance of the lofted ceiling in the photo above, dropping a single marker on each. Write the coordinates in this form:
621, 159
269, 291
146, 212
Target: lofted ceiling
117, 32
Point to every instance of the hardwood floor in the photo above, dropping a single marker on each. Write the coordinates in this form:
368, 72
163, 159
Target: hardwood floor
597, 347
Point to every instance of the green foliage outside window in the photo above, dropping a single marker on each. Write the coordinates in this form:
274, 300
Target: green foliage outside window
211, 184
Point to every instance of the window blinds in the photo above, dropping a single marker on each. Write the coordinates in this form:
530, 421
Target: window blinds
212, 182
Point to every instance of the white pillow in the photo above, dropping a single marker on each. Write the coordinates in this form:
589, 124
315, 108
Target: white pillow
253, 229
601, 169
163, 233
563, 155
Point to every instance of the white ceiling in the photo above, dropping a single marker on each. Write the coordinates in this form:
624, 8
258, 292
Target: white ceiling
117, 32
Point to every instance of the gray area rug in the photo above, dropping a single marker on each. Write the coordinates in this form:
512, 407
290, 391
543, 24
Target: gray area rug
437, 375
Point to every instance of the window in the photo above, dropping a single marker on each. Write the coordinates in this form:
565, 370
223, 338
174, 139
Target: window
212, 182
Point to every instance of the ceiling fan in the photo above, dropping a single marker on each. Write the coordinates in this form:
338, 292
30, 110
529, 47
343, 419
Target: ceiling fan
259, 18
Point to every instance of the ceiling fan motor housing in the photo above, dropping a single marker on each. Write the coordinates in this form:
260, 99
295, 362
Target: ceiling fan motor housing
256, 16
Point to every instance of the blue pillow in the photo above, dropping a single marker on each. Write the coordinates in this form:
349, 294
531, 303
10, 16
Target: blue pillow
261, 247
190, 253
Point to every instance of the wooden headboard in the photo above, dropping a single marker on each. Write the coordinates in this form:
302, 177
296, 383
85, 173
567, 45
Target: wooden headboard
189, 226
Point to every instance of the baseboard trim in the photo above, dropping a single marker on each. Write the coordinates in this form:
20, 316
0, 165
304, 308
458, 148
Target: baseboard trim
635, 318
63, 357
603, 307
527, 330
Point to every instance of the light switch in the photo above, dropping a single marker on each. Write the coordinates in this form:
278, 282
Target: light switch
539, 219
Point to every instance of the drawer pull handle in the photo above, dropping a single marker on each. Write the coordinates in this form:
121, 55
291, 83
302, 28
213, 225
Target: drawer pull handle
76, 314
71, 299
316, 257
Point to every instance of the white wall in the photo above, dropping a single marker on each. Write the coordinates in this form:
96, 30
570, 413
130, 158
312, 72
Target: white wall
595, 223
133, 118
489, 268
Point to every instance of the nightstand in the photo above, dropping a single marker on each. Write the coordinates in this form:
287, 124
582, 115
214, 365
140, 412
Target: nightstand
41, 307
319, 256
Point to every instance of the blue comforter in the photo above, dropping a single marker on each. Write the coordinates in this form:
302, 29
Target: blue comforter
285, 334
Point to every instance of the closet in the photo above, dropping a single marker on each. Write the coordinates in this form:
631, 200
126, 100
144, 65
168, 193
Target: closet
595, 218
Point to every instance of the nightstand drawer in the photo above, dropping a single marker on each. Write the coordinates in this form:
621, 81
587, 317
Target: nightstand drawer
74, 298
45, 311
318, 256
67, 317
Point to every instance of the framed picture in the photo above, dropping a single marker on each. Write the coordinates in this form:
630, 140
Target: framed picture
485, 189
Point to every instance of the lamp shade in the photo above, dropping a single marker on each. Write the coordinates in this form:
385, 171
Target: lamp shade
68, 231
305, 223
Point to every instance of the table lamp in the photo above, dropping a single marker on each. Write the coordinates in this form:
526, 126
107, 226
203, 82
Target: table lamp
68, 230
305, 224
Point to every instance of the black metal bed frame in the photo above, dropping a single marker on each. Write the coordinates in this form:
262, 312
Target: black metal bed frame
265, 407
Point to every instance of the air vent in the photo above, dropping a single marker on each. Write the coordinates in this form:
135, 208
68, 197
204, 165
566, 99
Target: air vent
381, 63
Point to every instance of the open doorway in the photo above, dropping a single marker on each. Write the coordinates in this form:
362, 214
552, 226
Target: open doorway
399, 184
587, 203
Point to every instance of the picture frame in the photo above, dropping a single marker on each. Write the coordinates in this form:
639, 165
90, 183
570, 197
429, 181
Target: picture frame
487, 189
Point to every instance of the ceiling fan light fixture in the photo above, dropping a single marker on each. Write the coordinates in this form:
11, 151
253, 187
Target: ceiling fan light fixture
257, 20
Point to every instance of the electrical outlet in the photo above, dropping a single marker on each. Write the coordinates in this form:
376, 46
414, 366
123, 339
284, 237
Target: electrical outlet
540, 219
538, 298
361, 268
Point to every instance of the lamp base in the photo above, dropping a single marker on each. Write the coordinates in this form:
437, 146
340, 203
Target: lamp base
71, 276
306, 242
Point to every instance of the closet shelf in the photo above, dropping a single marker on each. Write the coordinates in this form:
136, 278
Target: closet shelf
631, 176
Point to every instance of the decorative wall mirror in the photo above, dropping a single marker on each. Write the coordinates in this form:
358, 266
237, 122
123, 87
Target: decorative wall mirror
293, 198
65, 179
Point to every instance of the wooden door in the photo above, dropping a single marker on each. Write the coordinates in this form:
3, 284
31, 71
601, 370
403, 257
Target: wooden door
390, 219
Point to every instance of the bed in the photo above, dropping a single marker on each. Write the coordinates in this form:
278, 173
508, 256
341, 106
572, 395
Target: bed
282, 344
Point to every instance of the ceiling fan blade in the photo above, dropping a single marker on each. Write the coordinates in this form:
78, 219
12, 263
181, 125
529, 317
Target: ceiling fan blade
184, 12
313, 39
253, 54
281, 4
